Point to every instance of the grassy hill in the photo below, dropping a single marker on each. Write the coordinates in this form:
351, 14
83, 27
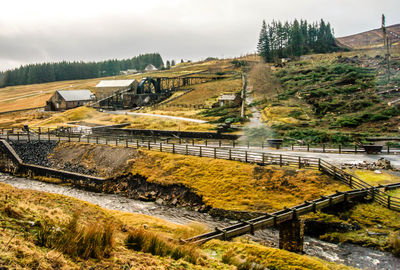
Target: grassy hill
372, 38
332, 97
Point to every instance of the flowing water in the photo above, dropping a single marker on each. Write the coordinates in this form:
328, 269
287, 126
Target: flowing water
347, 254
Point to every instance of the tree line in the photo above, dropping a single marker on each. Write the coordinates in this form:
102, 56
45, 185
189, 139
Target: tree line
290, 39
50, 72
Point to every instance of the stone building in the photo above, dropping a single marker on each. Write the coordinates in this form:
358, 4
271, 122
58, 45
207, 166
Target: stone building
68, 99
229, 99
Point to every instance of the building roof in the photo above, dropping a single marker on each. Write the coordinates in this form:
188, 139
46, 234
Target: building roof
150, 67
76, 95
115, 83
227, 97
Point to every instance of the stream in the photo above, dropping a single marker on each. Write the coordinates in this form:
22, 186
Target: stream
348, 254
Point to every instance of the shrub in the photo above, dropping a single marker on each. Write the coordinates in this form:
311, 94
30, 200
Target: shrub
145, 241
85, 241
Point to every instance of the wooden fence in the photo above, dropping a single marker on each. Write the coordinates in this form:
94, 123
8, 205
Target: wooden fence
227, 153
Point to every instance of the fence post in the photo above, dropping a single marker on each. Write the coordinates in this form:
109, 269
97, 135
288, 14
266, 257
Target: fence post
388, 149
323, 148
319, 164
48, 134
263, 158
299, 162
351, 182
173, 148
388, 201
39, 135
280, 160
137, 143
215, 152
340, 148
245, 156
192, 142
160, 146
148, 145
200, 152
219, 143
187, 150
8, 135
97, 140
308, 147
206, 143
292, 146
17, 135
355, 148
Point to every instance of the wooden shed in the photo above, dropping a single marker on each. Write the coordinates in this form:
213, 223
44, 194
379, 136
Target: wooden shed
229, 99
68, 99
108, 87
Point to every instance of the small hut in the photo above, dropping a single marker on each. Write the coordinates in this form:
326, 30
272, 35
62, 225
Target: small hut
68, 99
229, 99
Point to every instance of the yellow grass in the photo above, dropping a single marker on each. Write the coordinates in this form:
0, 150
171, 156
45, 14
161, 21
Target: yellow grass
208, 93
374, 179
235, 185
91, 116
242, 253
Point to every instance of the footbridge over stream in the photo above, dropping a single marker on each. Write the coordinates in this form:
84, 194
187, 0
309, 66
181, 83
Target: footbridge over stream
286, 220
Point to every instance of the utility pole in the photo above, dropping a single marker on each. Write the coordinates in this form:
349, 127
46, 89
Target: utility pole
386, 44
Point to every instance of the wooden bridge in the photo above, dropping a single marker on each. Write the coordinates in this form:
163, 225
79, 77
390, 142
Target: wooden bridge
287, 220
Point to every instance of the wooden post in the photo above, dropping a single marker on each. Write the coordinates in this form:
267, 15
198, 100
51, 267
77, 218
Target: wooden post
388, 201
48, 134
137, 143
233, 143
148, 145
187, 150
319, 164
308, 147
355, 148
230, 154
97, 140
292, 146
388, 149
160, 146
192, 142
219, 143
340, 148
8, 135
323, 148
200, 152
206, 143
299, 162
173, 148
245, 156
39, 135
215, 152
280, 160
17, 135
263, 158
69, 136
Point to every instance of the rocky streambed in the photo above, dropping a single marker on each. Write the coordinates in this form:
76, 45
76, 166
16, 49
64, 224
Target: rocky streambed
364, 258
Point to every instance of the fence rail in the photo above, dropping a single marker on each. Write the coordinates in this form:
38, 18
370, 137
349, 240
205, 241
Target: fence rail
227, 153
273, 219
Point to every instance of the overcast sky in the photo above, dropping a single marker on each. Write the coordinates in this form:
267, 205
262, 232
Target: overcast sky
34, 31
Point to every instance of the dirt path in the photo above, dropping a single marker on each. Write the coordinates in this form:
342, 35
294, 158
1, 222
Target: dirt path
126, 112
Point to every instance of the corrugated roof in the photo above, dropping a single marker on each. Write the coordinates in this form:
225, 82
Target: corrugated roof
76, 95
115, 83
227, 97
